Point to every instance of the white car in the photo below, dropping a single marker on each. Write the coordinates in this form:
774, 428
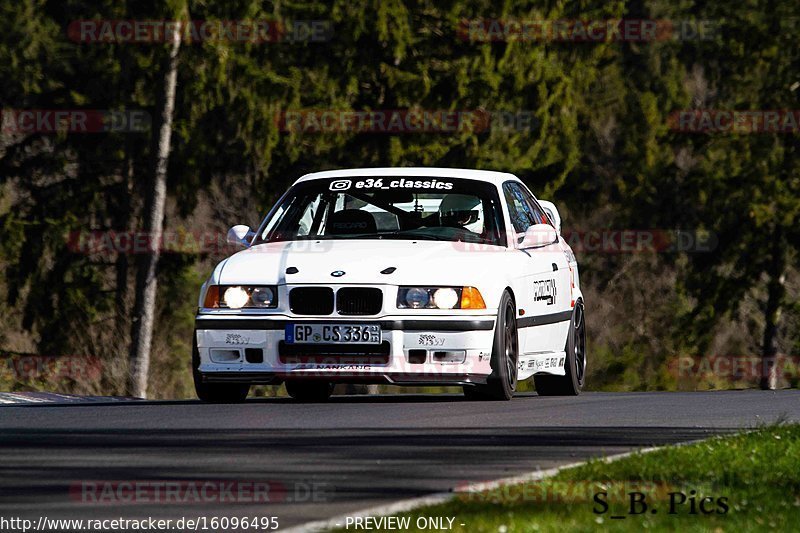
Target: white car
403, 276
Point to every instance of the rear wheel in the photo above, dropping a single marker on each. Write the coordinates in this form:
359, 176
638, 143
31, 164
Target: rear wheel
502, 382
571, 383
215, 392
309, 391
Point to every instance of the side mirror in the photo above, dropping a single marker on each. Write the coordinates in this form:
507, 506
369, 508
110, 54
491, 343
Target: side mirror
552, 212
240, 235
539, 235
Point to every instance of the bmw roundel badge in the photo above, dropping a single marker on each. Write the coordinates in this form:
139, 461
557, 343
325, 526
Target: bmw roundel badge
337, 273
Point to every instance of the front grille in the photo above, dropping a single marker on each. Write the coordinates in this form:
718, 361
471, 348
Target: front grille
311, 300
337, 354
359, 301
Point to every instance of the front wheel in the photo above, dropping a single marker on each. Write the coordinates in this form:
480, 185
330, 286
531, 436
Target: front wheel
571, 383
215, 392
502, 382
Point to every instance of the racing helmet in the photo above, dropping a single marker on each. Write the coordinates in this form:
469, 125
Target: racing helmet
461, 211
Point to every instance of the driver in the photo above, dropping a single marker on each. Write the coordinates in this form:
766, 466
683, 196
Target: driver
462, 211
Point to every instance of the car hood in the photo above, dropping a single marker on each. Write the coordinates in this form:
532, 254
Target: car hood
361, 261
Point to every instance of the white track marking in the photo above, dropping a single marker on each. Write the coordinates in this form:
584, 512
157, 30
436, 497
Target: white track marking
27, 398
403, 506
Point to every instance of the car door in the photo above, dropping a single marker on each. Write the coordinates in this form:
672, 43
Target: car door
546, 298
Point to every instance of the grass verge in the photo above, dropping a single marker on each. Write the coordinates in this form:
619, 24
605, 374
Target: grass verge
745, 482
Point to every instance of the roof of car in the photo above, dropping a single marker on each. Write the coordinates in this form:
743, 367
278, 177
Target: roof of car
426, 172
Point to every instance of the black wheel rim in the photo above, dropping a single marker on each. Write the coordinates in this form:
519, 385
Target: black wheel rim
579, 335
510, 345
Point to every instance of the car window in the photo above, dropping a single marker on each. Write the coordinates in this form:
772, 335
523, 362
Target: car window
523, 207
539, 214
450, 209
384, 220
307, 219
522, 216
275, 218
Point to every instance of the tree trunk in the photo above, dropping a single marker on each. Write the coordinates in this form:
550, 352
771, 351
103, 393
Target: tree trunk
147, 263
776, 293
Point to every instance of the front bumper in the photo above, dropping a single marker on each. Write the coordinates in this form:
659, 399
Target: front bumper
421, 350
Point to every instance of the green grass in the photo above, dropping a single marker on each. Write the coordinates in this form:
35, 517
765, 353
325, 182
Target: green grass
757, 472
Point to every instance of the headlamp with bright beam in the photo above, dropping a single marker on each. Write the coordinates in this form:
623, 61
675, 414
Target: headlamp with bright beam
241, 297
439, 298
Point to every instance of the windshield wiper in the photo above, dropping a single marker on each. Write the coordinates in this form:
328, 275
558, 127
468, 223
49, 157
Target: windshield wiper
402, 234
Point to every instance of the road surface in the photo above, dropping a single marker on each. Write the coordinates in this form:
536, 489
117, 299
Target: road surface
307, 462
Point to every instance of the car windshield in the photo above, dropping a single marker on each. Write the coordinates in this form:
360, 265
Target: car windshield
407, 208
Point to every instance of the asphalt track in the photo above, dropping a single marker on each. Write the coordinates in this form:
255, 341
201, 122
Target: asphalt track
324, 460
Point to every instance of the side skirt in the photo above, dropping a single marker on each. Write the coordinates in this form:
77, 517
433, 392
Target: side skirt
541, 362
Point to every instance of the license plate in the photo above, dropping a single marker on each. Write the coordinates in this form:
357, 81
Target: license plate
333, 334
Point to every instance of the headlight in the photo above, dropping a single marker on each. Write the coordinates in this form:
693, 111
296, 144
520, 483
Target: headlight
439, 298
262, 296
416, 298
446, 298
239, 296
235, 297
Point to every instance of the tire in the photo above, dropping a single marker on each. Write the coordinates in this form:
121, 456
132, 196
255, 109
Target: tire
215, 392
502, 382
309, 391
572, 382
